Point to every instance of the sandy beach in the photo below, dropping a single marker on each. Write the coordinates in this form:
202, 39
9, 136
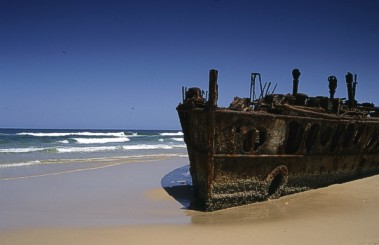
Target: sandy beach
129, 203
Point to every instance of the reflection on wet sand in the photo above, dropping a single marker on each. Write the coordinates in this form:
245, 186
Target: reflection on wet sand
178, 184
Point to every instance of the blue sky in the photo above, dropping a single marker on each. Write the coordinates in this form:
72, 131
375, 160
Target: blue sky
121, 64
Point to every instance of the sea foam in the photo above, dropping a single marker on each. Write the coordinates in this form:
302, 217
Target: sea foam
22, 147
178, 139
19, 164
86, 149
100, 140
22, 150
172, 134
146, 147
114, 134
151, 147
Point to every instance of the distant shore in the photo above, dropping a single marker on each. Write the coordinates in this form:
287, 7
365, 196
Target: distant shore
126, 204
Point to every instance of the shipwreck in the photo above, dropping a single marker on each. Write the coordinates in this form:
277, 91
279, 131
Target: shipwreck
270, 145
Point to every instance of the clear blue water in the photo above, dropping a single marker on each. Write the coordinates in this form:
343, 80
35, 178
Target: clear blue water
31, 147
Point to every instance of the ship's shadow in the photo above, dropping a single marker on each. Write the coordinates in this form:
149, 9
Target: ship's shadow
178, 184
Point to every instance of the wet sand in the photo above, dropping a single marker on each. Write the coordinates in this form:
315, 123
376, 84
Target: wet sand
126, 204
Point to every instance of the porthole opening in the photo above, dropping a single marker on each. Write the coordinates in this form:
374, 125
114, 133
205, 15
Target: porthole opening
248, 141
295, 137
372, 141
254, 139
275, 184
349, 134
358, 134
312, 136
336, 137
260, 138
325, 136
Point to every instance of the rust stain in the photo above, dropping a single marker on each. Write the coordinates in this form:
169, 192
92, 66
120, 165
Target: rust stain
272, 145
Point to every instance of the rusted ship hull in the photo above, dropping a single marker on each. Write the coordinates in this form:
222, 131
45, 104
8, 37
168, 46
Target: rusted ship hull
240, 157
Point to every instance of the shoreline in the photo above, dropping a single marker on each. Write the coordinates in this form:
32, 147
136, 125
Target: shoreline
61, 166
109, 195
127, 203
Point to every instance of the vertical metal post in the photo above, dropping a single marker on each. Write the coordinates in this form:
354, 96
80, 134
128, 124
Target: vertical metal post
183, 93
332, 86
211, 127
295, 74
252, 87
213, 88
350, 91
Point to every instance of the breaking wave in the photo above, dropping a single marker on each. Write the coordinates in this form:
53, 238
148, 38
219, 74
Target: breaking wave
19, 164
151, 147
172, 134
115, 134
86, 149
178, 139
26, 147
100, 140
93, 149
22, 150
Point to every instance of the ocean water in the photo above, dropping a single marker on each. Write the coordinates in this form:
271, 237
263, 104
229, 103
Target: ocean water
40, 149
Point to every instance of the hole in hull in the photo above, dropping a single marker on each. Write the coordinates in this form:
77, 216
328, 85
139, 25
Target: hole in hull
336, 137
276, 181
312, 136
249, 141
275, 184
260, 138
325, 136
349, 134
295, 137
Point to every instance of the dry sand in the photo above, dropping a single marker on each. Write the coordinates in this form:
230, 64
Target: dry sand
126, 204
